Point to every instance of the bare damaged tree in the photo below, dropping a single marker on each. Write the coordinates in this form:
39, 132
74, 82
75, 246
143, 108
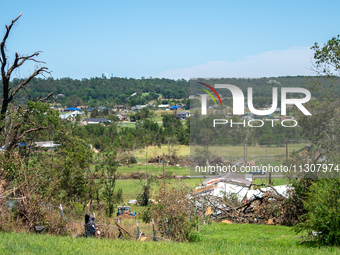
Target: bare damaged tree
14, 132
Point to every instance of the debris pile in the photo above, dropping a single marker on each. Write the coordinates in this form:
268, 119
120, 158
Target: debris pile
171, 160
235, 199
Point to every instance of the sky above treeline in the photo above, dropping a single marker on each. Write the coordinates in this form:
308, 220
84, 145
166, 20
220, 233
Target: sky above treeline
170, 39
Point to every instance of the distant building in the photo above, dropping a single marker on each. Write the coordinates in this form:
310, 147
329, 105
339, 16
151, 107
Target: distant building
163, 106
277, 110
140, 107
183, 115
87, 121
46, 144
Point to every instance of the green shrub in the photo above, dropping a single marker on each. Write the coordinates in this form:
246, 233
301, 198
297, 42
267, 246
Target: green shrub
173, 204
194, 236
145, 215
323, 212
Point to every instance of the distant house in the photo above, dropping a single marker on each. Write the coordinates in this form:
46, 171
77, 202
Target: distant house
163, 106
183, 115
47, 144
140, 107
247, 118
69, 116
122, 116
277, 110
87, 121
219, 112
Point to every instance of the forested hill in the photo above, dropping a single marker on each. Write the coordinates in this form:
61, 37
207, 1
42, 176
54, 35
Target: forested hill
122, 90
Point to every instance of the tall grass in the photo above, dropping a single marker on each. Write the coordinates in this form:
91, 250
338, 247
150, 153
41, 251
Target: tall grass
212, 239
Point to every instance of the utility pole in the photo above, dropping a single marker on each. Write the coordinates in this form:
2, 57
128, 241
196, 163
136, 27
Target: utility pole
146, 183
163, 170
266, 157
244, 156
286, 149
270, 174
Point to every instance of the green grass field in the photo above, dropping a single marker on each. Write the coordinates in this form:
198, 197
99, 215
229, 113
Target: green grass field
153, 151
227, 151
213, 239
155, 169
275, 157
253, 151
131, 188
276, 181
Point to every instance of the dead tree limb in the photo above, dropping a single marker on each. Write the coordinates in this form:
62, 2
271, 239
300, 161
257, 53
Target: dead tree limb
15, 132
8, 91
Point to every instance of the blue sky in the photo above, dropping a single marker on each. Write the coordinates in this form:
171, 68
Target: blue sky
172, 39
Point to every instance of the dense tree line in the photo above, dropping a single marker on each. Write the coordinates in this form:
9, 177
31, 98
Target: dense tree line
147, 132
262, 87
98, 91
115, 90
203, 133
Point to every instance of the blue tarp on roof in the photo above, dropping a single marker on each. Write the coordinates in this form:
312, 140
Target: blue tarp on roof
74, 109
20, 144
174, 107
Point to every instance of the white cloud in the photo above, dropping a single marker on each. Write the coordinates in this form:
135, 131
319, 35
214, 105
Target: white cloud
293, 61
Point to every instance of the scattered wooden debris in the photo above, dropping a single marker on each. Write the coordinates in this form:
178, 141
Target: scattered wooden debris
270, 207
122, 229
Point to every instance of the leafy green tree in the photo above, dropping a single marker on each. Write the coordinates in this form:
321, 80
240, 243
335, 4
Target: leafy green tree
144, 197
113, 118
327, 57
323, 126
108, 167
323, 212
74, 159
78, 118
94, 113
74, 101
322, 202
